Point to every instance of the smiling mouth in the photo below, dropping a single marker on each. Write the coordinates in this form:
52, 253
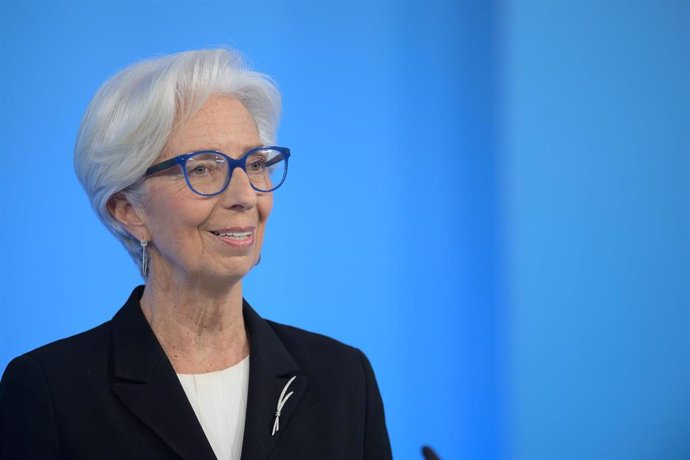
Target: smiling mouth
237, 236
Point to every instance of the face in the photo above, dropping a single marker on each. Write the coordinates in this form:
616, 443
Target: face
205, 238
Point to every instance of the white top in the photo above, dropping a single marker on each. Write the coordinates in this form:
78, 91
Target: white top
219, 400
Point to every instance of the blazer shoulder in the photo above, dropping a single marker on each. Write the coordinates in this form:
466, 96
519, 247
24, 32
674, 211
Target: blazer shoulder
321, 354
78, 349
300, 340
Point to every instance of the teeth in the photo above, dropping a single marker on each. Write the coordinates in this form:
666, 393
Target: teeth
237, 235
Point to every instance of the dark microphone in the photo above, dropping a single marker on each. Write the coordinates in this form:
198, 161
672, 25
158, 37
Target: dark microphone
429, 454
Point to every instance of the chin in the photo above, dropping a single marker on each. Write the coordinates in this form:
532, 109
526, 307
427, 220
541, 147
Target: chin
235, 271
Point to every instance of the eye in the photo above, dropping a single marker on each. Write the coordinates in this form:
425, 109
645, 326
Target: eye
205, 166
256, 164
198, 170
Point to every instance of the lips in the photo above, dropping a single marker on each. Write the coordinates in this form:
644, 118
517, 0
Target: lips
236, 237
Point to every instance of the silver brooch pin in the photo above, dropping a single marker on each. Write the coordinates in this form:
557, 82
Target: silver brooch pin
281, 402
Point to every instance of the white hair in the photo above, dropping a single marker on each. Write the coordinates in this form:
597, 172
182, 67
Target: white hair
129, 120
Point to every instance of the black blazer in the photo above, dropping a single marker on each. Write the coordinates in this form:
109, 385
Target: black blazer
111, 392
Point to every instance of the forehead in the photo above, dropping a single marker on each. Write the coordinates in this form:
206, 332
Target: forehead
222, 123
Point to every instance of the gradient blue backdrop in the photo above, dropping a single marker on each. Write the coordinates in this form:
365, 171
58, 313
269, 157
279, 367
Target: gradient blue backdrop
488, 197
596, 184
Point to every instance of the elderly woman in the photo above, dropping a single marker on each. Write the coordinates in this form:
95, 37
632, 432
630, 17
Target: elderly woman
178, 159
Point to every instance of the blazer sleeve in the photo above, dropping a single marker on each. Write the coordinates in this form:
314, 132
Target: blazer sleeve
27, 417
376, 443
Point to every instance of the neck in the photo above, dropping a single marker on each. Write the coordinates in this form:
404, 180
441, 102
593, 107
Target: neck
200, 329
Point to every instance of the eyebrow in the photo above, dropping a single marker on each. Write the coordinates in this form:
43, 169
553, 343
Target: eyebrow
246, 149
243, 150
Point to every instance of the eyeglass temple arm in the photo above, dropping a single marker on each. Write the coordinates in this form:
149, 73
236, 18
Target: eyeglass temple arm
161, 166
278, 158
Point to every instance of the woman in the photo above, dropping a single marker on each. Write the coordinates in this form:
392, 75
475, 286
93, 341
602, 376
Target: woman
177, 157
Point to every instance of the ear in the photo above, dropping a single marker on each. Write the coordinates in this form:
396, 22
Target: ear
128, 215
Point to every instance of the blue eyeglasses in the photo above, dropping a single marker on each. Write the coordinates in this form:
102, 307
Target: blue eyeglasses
208, 172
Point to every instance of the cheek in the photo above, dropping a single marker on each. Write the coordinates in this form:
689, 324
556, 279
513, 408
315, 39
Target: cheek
173, 218
265, 205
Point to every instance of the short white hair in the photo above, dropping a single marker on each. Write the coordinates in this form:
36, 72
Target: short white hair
130, 119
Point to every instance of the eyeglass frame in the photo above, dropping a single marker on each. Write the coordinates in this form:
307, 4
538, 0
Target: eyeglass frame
232, 165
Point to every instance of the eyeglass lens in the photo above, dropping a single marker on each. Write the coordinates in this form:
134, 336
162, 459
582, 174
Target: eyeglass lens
208, 172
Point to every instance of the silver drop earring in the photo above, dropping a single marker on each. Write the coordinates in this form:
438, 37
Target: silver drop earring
144, 257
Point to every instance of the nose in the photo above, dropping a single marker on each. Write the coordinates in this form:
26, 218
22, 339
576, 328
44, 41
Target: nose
239, 193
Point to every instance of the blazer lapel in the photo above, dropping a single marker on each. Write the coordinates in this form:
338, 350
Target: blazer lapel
146, 383
271, 367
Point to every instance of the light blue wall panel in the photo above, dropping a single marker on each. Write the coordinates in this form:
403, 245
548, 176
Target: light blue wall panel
597, 194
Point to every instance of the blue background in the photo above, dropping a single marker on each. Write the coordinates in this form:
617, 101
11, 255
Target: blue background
489, 198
